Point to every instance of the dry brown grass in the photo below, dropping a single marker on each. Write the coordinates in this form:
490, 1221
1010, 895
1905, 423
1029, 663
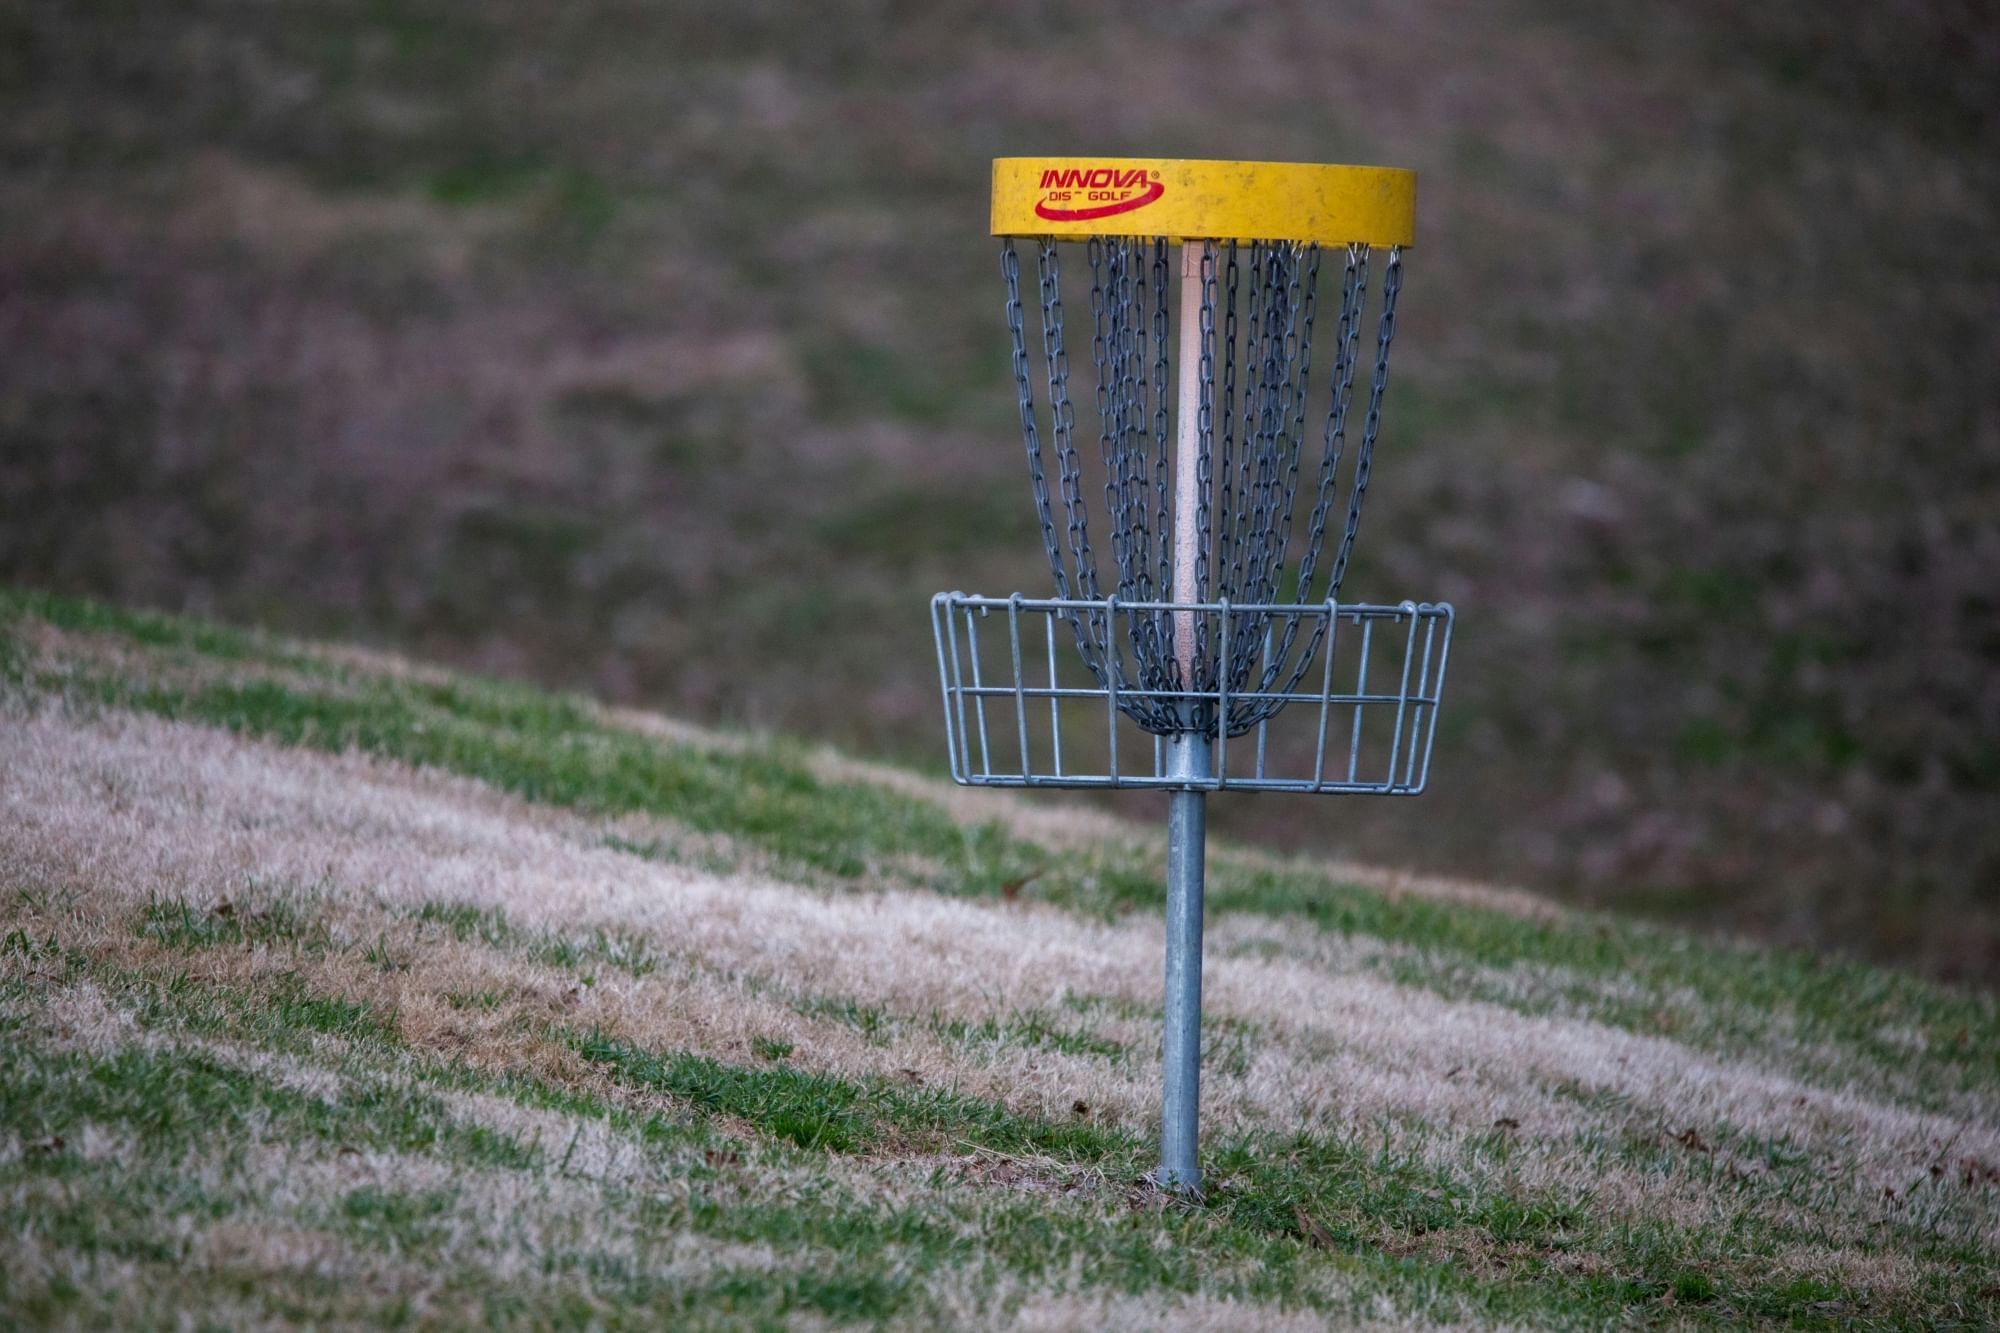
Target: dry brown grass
127, 811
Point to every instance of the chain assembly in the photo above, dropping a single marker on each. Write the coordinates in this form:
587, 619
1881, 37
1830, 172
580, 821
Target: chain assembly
1257, 317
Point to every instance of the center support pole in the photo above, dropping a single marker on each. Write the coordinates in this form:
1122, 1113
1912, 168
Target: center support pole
1180, 1103
1187, 761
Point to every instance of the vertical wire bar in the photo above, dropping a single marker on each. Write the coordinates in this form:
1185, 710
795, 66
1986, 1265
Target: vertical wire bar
1418, 712
1264, 705
1325, 693
1402, 700
978, 699
1111, 682
1020, 682
1437, 695
1360, 691
1055, 702
958, 695
1222, 702
944, 683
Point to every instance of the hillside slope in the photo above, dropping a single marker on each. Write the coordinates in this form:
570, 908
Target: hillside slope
657, 350
342, 989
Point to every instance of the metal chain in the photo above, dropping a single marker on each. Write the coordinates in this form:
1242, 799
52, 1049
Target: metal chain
1010, 271
1300, 354
1090, 641
1119, 302
1225, 420
1364, 456
1144, 386
1062, 420
1272, 571
1291, 276
1163, 429
1162, 426
1281, 381
1204, 464
1134, 419
1353, 293
1104, 329
1353, 297
1235, 480
1248, 487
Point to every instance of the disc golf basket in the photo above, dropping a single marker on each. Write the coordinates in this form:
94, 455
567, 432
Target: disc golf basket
1212, 653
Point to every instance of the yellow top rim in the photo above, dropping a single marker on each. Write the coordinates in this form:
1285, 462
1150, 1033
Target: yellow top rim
1182, 199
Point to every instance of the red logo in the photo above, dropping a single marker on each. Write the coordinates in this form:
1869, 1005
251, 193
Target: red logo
1078, 194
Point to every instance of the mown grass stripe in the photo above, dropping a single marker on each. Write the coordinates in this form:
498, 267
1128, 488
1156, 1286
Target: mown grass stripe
172, 1095
1372, 1204
1918, 1043
1357, 1195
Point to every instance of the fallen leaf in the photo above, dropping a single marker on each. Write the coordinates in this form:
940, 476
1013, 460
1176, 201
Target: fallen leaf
1316, 1235
1011, 889
224, 908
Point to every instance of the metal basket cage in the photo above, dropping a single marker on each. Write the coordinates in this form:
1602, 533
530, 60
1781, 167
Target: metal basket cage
1358, 714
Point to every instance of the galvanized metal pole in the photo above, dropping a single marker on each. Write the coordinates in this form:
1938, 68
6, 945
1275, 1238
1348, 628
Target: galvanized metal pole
1180, 1102
1188, 761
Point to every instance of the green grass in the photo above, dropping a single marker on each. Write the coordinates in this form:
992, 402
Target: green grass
816, 1111
1365, 1200
597, 947
179, 924
167, 1095
882, 1195
764, 797
1034, 1029
547, 748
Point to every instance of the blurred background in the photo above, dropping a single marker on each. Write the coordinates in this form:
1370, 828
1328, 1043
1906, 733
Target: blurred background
656, 350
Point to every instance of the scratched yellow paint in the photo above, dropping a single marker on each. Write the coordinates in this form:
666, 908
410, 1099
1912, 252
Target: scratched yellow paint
1183, 199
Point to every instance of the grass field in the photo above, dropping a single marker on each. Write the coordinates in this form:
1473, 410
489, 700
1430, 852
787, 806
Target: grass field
339, 989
